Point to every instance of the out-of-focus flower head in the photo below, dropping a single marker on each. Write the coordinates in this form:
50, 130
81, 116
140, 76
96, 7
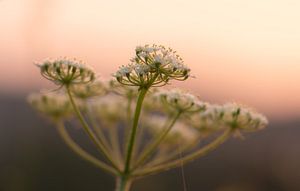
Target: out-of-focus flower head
108, 110
66, 72
244, 118
84, 91
231, 115
56, 106
180, 100
152, 66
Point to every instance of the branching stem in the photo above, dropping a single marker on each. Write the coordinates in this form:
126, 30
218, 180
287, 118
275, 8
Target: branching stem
157, 140
90, 133
201, 152
82, 153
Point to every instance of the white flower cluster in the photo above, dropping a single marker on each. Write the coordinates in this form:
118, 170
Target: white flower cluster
108, 110
230, 115
180, 100
152, 66
205, 116
54, 105
242, 117
84, 91
66, 72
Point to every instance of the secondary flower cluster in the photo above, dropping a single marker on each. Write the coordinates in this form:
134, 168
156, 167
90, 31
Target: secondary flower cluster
201, 117
152, 66
208, 117
85, 91
66, 72
180, 100
56, 106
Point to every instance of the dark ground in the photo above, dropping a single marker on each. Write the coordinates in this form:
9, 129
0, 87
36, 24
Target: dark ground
33, 158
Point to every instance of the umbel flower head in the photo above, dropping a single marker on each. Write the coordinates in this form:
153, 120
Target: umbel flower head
180, 100
66, 72
152, 66
231, 115
84, 91
56, 106
244, 118
108, 110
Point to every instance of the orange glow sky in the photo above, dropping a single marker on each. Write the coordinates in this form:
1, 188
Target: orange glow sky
244, 51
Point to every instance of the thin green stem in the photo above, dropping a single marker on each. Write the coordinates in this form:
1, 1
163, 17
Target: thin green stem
90, 133
115, 145
132, 138
79, 151
170, 155
129, 107
98, 131
128, 122
201, 152
157, 140
123, 184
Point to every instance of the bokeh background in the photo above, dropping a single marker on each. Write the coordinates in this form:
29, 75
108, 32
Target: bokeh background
243, 51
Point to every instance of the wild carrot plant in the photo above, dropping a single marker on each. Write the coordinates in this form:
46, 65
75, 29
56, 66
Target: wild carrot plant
134, 122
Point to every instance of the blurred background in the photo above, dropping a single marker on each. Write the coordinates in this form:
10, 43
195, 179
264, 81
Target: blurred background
243, 51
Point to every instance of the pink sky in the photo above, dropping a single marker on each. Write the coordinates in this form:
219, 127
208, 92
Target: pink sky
243, 51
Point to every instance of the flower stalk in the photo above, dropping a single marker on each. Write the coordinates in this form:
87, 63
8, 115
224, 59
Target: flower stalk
132, 138
201, 152
82, 153
157, 140
88, 130
123, 183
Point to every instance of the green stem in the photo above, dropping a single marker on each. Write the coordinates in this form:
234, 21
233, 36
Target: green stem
126, 130
115, 145
82, 153
152, 147
123, 184
201, 152
90, 133
134, 129
98, 131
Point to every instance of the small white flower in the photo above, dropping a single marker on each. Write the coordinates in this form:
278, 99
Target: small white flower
149, 49
141, 69
159, 59
123, 71
141, 54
